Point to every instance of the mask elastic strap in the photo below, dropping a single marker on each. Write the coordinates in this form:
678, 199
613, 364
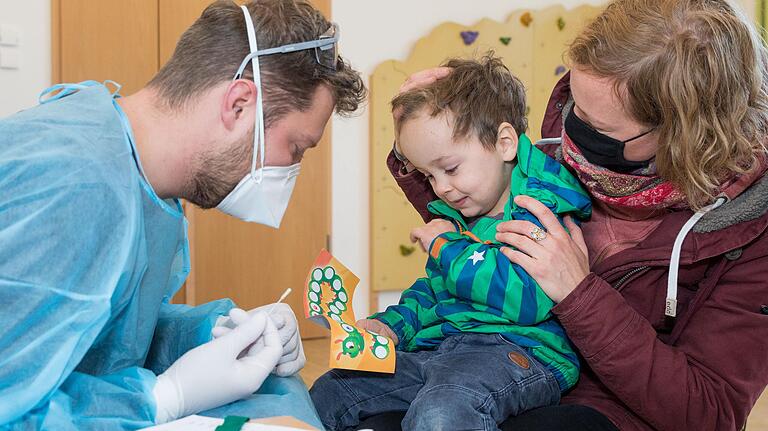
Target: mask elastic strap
639, 136
258, 132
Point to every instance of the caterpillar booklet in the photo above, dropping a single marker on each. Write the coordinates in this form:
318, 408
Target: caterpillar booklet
328, 293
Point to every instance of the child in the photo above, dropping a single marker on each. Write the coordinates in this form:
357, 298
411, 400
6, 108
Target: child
476, 340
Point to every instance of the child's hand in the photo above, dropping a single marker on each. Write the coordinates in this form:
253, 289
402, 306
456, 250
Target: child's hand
427, 233
378, 327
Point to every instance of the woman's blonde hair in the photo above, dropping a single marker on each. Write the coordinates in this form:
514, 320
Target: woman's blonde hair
694, 69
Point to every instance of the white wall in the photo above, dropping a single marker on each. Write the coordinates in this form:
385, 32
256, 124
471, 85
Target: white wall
19, 88
373, 32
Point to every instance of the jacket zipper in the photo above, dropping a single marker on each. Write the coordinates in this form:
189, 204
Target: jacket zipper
626, 276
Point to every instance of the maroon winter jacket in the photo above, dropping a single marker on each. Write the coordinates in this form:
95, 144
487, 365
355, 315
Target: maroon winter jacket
704, 369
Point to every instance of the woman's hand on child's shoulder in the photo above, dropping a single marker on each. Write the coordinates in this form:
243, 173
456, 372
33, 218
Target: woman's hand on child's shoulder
558, 260
378, 327
426, 234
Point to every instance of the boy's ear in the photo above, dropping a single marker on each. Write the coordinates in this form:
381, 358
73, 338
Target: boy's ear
506, 142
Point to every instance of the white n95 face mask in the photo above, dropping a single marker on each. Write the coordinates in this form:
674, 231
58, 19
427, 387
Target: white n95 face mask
262, 195
264, 201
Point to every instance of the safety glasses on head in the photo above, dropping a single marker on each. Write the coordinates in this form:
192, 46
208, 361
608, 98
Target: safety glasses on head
326, 48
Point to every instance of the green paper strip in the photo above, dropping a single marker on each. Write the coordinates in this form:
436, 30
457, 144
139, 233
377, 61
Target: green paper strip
233, 423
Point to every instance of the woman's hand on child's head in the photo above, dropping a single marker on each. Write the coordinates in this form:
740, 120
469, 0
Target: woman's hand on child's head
421, 79
556, 260
378, 327
424, 78
426, 234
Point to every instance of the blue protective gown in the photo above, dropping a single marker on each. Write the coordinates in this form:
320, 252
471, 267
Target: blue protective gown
89, 259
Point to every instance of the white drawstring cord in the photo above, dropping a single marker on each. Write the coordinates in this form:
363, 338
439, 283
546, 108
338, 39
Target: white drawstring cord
674, 262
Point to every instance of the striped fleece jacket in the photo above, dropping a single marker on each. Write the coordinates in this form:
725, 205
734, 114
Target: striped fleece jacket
470, 286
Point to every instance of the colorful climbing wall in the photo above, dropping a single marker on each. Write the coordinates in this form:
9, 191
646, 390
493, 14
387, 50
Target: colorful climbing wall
532, 44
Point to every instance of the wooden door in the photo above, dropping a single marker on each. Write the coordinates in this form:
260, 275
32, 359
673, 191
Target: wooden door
102, 40
250, 263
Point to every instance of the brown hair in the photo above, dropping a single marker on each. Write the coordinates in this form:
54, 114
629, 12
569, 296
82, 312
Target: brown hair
694, 69
211, 50
480, 94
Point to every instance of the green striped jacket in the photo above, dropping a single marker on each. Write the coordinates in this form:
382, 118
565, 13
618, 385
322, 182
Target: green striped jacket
472, 287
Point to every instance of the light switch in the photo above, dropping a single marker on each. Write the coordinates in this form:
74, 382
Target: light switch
9, 58
9, 35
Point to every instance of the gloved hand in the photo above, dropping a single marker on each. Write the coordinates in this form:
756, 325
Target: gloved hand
292, 359
213, 374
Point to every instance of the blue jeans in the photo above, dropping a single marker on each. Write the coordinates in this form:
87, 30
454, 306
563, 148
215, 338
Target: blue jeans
471, 382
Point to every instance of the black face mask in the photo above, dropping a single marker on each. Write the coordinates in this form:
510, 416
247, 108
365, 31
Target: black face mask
600, 149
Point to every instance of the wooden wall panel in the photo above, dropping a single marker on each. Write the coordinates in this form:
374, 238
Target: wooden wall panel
102, 40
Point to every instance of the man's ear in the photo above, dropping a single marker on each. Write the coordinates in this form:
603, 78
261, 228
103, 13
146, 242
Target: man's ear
238, 103
506, 142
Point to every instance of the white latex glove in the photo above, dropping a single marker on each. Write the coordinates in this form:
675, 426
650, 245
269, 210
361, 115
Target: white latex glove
293, 358
213, 374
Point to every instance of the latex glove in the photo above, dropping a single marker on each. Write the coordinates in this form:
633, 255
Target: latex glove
293, 358
213, 374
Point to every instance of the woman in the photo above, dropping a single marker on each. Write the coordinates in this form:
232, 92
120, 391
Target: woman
663, 118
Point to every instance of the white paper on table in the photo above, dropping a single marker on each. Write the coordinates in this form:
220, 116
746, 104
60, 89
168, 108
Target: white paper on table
204, 423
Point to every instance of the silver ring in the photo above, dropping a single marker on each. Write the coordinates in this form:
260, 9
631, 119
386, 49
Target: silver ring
538, 234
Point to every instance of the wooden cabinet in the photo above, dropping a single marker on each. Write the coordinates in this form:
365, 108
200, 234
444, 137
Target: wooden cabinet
127, 41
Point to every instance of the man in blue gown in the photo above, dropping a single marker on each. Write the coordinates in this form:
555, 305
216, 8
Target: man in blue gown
93, 240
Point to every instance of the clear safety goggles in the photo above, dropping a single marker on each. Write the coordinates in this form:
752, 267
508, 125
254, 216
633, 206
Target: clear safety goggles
325, 47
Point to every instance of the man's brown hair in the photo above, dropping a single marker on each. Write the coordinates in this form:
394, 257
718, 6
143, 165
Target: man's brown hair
480, 94
211, 50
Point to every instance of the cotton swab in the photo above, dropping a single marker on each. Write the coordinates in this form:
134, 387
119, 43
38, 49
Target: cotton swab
283, 296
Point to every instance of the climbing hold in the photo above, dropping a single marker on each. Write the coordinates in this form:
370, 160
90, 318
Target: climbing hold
559, 70
469, 37
505, 40
526, 19
560, 23
406, 250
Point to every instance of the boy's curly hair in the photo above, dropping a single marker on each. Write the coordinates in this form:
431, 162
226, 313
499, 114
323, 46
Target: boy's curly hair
481, 94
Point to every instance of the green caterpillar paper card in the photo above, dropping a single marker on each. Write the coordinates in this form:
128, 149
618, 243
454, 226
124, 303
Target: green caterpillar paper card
328, 293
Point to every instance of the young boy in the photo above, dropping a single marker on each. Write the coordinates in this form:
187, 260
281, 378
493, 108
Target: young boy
476, 340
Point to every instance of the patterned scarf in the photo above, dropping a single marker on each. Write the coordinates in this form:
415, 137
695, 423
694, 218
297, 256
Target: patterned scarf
642, 189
